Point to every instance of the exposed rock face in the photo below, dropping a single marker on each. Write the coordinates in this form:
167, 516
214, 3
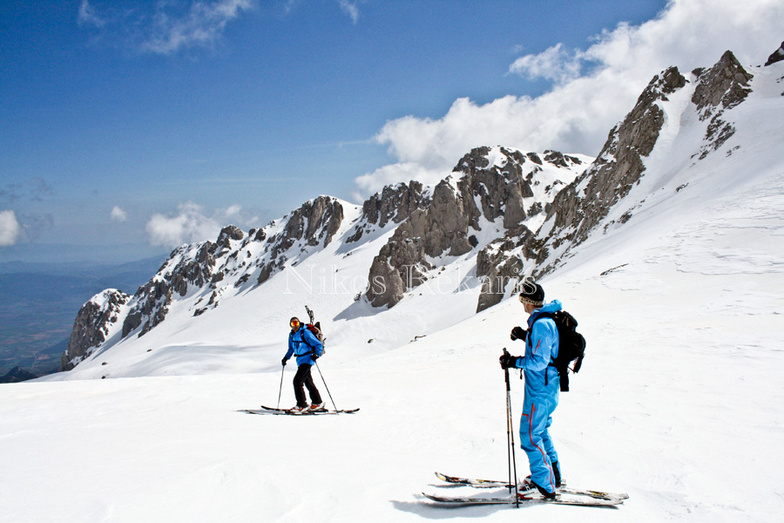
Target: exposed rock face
777, 56
92, 325
187, 266
619, 165
313, 224
722, 87
579, 208
152, 305
226, 236
487, 183
201, 269
499, 263
316, 221
393, 204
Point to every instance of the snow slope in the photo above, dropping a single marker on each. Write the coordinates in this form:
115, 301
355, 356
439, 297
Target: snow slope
678, 402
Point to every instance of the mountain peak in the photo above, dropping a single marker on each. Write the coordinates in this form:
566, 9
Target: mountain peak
777, 56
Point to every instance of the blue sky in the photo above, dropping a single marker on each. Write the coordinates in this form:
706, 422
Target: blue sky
128, 127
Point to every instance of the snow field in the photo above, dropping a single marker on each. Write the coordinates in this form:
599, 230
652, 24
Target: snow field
679, 401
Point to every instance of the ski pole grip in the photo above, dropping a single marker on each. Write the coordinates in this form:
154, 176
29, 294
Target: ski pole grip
506, 371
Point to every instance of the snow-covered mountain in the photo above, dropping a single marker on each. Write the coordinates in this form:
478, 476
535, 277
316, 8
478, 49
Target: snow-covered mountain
666, 247
419, 231
500, 215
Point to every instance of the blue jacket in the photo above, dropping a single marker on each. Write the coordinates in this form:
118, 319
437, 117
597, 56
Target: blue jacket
541, 347
301, 344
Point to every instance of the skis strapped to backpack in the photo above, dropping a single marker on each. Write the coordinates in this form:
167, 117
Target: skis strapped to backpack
571, 345
315, 328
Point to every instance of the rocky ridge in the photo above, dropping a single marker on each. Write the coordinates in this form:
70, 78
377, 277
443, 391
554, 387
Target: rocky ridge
493, 187
393, 204
583, 206
200, 270
513, 213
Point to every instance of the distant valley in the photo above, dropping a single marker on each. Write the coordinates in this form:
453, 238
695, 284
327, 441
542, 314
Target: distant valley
38, 304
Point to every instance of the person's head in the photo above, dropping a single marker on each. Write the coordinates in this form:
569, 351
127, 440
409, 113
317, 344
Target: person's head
295, 324
532, 296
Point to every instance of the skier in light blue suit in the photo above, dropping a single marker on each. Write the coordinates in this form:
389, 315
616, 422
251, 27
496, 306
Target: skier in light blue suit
542, 386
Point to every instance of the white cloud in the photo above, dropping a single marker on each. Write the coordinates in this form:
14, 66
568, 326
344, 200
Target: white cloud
87, 15
171, 28
593, 89
192, 224
234, 211
188, 226
351, 9
118, 214
201, 26
10, 230
554, 64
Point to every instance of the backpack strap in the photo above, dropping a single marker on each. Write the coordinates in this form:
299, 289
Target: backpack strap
313, 351
303, 340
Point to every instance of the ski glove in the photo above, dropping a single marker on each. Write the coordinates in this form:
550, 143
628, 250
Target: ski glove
508, 361
518, 333
283, 361
313, 355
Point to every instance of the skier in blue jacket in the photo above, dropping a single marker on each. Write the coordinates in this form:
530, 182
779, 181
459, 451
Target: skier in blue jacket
542, 385
306, 347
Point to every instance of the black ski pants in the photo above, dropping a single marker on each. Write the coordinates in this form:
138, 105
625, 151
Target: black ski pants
303, 379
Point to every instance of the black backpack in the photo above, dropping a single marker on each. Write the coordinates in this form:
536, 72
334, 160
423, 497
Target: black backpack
571, 345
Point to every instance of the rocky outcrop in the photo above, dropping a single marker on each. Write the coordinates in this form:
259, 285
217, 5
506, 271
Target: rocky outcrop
499, 264
152, 305
491, 184
314, 224
777, 56
92, 325
393, 204
581, 207
316, 221
203, 268
189, 267
720, 88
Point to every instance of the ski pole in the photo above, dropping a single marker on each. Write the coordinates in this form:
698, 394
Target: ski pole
510, 435
280, 390
325, 384
508, 445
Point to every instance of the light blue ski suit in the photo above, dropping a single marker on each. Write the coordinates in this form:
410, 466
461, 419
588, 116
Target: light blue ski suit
542, 385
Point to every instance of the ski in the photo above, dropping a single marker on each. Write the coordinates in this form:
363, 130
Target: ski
489, 483
524, 499
275, 411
